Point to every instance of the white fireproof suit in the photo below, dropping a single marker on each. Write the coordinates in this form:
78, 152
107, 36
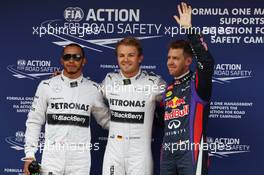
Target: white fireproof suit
65, 105
132, 103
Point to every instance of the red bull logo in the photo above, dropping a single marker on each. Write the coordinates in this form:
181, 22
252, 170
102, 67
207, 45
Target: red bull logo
175, 102
170, 87
177, 113
169, 93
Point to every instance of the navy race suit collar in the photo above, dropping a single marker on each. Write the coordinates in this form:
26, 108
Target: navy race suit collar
183, 79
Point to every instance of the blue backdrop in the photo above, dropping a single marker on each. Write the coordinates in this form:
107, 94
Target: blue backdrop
34, 32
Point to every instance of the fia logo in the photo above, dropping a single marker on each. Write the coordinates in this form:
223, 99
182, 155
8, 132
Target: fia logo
73, 14
21, 63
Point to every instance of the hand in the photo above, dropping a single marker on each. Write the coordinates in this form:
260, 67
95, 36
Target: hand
26, 164
185, 15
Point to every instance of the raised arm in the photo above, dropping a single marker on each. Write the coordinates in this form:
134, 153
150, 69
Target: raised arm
204, 60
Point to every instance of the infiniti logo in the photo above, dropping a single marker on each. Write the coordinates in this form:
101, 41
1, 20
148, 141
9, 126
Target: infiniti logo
174, 124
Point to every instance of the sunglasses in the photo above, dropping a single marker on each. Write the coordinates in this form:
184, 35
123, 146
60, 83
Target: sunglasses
75, 57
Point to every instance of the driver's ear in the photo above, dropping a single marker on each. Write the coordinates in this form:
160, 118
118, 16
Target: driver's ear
84, 61
188, 61
140, 58
61, 61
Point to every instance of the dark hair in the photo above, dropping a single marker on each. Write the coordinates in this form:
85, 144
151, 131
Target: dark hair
182, 44
74, 45
130, 41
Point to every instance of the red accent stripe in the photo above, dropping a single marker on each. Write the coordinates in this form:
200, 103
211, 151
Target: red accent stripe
198, 128
196, 79
208, 162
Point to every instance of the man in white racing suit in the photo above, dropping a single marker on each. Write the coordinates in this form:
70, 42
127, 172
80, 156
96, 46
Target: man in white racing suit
65, 104
132, 95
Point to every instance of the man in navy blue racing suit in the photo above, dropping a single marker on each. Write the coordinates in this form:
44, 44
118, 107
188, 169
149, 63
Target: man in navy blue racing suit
186, 103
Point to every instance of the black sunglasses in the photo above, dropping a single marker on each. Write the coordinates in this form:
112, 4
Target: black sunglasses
75, 57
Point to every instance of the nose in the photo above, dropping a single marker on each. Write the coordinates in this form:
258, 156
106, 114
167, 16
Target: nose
71, 60
169, 61
126, 58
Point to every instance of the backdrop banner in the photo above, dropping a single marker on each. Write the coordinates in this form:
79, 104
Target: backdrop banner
33, 34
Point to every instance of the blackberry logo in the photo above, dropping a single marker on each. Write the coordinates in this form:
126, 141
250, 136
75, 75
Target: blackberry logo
73, 14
